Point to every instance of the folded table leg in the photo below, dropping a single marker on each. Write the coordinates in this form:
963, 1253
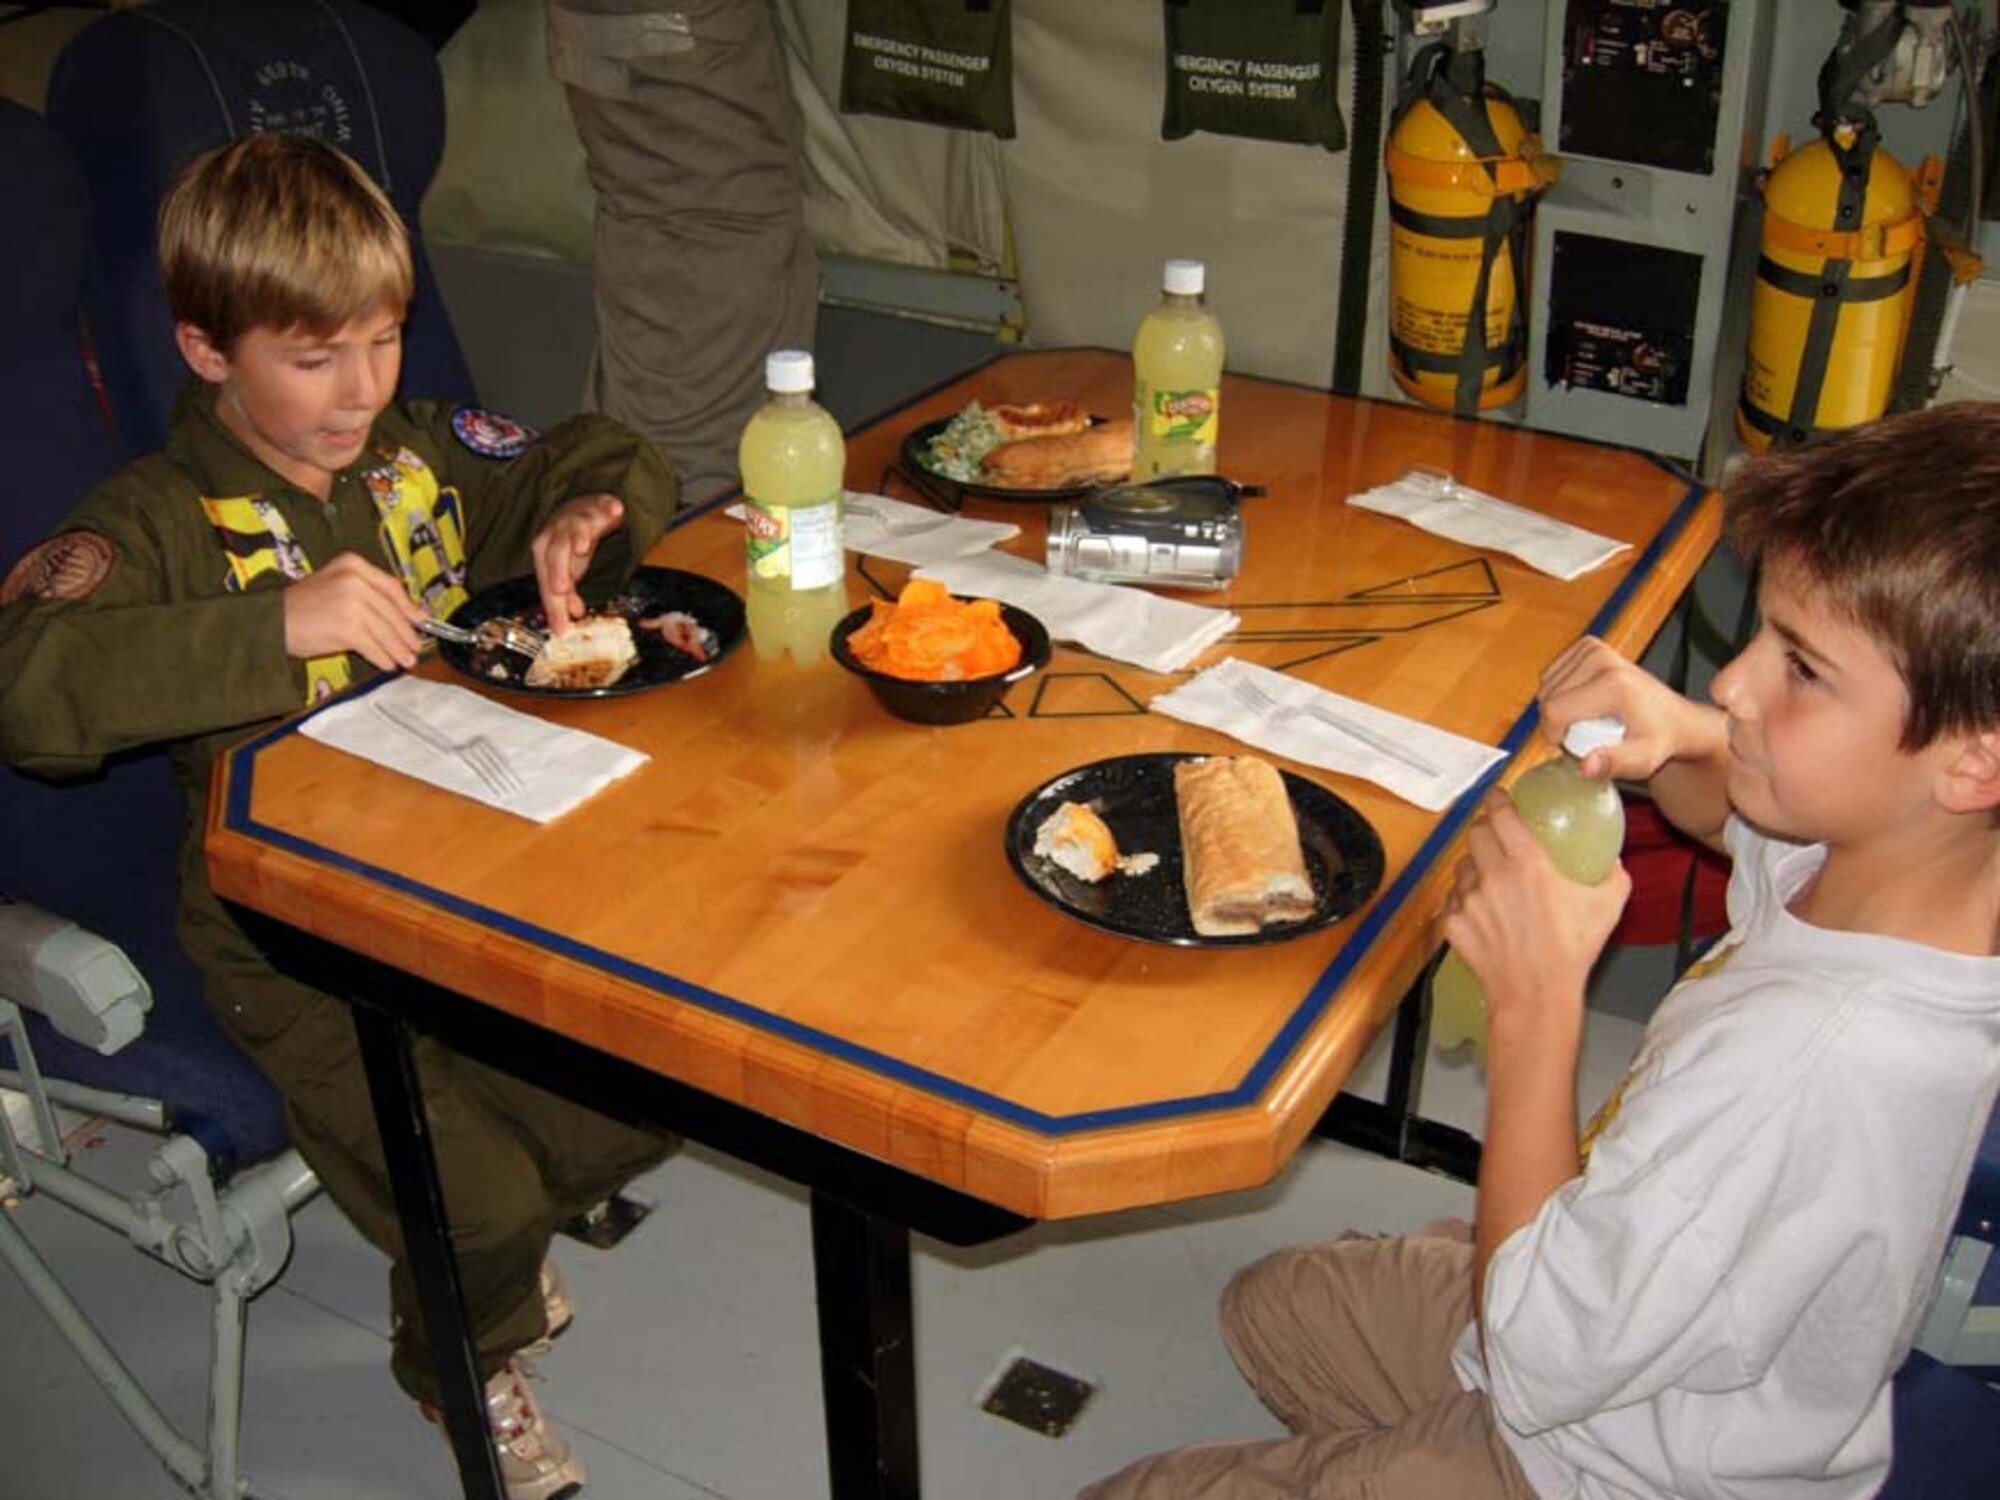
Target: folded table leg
406, 1143
1393, 1127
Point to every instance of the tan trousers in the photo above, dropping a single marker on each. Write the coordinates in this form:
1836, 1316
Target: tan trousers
1349, 1343
703, 264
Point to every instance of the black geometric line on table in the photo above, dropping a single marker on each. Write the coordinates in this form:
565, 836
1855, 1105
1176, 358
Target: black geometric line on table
1340, 646
1431, 606
1125, 704
1457, 609
1489, 589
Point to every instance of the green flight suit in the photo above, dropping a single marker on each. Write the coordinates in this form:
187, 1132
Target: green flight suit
155, 616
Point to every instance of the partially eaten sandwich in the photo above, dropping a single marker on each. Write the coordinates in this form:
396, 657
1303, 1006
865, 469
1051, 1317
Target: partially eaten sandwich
1076, 839
593, 653
1240, 854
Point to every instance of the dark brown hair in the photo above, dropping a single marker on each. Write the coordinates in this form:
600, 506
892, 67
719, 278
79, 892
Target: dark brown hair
280, 232
1896, 525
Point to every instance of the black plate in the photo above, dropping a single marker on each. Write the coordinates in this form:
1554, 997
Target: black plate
651, 591
1134, 794
917, 456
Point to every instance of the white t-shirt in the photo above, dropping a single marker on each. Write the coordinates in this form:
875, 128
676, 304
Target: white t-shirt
1716, 1306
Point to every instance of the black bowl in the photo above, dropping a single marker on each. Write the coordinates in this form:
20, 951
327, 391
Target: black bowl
946, 702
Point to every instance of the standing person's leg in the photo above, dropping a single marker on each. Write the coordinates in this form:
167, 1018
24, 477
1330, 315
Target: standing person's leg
1349, 1343
703, 263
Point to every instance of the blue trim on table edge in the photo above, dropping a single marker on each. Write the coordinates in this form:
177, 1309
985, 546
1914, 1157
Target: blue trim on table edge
237, 818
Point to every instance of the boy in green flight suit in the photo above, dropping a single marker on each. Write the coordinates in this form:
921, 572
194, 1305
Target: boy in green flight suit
281, 547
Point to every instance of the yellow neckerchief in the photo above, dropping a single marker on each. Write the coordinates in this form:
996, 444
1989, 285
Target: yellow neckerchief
1707, 964
257, 540
421, 526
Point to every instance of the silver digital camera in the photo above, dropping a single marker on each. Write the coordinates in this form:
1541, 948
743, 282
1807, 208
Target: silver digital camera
1184, 532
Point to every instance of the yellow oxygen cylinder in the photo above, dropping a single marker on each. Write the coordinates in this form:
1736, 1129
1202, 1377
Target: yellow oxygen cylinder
1833, 289
1463, 175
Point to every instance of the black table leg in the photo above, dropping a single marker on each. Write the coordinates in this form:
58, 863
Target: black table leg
861, 1254
861, 1273
406, 1143
1393, 1127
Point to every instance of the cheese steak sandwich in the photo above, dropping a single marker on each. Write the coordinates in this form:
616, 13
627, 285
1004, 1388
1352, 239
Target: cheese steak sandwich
1240, 856
1094, 455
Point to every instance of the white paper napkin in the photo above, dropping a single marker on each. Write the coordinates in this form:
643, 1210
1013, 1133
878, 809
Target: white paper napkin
1435, 502
559, 767
1214, 699
901, 532
1126, 624
915, 534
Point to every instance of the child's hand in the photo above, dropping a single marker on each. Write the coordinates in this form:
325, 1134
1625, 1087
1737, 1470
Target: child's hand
1590, 680
563, 549
1528, 932
352, 605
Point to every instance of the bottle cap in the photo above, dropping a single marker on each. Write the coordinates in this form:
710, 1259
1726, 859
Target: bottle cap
788, 371
1586, 735
1184, 278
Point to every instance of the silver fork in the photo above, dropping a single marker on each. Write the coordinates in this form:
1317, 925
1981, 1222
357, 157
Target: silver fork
495, 635
1260, 702
478, 754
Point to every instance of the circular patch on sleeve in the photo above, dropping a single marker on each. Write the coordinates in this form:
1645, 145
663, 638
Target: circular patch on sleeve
70, 566
491, 435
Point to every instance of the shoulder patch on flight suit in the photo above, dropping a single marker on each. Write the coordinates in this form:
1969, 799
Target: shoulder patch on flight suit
71, 566
491, 435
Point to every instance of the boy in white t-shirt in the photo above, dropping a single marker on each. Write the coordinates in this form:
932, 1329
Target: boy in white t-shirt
1714, 1305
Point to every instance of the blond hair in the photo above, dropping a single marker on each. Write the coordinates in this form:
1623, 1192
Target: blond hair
281, 232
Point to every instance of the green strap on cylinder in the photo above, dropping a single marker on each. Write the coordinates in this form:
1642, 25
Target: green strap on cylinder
1455, 85
1829, 291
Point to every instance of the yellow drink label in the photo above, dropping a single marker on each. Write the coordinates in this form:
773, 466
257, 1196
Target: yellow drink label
795, 546
1183, 416
768, 540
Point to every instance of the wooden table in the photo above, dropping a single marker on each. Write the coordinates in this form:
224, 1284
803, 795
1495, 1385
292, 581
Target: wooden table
795, 931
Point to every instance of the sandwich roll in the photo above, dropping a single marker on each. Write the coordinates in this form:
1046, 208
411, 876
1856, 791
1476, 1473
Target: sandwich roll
1240, 855
1096, 455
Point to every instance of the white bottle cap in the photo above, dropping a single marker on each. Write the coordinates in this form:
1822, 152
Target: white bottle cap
1586, 735
788, 371
1184, 278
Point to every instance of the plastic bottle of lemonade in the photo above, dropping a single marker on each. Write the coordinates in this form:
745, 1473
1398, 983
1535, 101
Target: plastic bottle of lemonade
794, 462
1177, 379
1580, 822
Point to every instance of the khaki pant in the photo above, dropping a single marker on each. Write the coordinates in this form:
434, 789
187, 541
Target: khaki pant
514, 1160
703, 264
1349, 1343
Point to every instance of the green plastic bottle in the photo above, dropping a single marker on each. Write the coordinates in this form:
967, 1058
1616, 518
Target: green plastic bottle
794, 463
1581, 822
